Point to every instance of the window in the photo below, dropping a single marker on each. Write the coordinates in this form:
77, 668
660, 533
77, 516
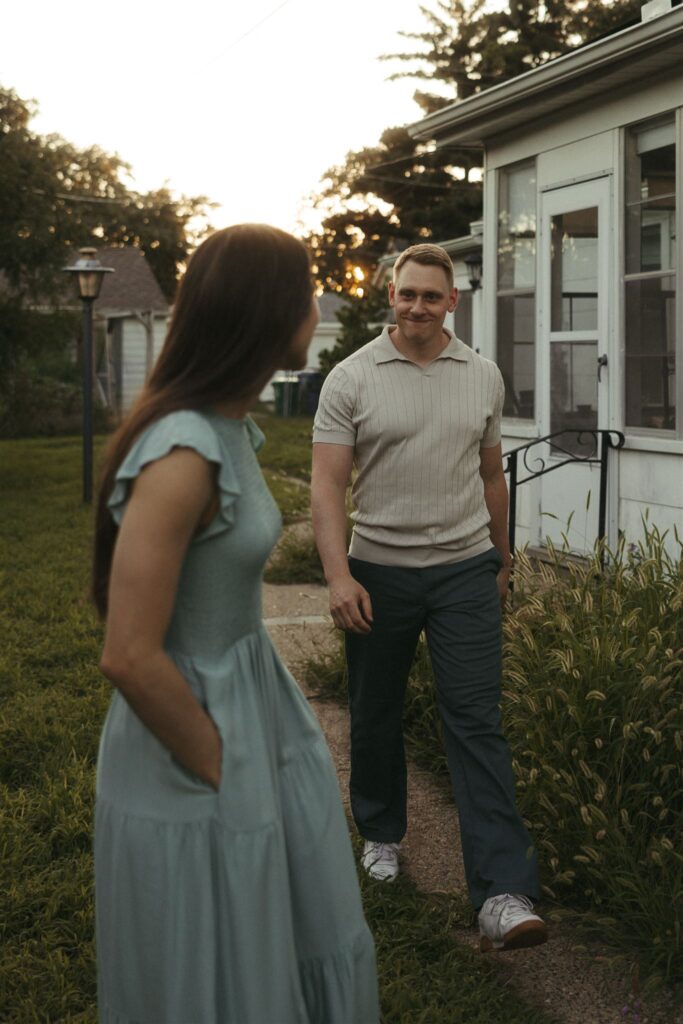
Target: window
517, 287
650, 282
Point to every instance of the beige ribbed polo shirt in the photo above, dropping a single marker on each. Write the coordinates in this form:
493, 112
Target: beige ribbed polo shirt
416, 432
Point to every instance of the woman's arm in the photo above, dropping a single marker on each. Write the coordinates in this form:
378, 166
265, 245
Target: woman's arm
163, 512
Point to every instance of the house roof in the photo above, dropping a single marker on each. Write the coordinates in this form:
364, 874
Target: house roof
132, 287
619, 62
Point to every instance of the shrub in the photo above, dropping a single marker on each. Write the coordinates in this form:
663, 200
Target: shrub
31, 406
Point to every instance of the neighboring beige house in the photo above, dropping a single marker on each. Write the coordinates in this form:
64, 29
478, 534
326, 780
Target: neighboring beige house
582, 271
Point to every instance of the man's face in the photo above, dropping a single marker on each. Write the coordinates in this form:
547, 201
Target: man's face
421, 296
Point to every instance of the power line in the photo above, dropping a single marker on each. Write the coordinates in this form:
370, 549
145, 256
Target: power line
249, 32
416, 157
412, 183
75, 198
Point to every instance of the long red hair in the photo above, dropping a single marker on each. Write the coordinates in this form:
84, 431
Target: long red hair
246, 290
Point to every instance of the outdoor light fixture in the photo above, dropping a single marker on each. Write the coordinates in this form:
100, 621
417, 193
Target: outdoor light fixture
473, 263
89, 274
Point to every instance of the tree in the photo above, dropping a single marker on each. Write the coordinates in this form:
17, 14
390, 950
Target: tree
359, 318
54, 196
386, 196
468, 47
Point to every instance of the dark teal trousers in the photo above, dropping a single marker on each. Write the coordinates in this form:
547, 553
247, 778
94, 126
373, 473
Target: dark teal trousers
458, 608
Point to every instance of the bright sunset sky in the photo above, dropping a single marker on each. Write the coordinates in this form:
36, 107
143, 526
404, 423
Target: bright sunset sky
245, 103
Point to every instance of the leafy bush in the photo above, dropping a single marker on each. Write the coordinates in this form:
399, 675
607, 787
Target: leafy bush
593, 711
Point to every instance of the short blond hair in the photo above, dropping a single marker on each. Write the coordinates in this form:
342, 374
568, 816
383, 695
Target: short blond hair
427, 254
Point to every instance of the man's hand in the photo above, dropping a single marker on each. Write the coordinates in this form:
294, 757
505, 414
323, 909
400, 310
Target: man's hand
350, 605
503, 581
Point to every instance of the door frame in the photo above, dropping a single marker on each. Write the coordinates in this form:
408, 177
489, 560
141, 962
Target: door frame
597, 191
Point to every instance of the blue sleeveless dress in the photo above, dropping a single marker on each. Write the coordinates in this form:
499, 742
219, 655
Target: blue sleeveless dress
239, 906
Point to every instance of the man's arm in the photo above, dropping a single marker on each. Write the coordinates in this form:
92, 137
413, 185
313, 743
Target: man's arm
350, 605
496, 497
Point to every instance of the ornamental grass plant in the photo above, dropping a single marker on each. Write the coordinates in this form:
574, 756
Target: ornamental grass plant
593, 713
593, 698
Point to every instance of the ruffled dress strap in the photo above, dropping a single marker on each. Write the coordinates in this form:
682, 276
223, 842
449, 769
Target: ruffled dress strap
256, 435
182, 429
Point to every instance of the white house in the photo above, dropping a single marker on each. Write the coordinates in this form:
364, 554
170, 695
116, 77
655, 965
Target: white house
582, 278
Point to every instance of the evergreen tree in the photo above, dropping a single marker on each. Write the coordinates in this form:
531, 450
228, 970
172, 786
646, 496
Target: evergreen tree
361, 318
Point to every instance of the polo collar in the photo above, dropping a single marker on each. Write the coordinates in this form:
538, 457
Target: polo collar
386, 351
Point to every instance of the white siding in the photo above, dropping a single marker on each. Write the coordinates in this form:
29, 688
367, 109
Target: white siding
134, 356
604, 114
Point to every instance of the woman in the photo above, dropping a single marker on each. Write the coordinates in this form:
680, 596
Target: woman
225, 886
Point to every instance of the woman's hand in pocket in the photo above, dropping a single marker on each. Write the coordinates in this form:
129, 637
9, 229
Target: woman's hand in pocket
214, 760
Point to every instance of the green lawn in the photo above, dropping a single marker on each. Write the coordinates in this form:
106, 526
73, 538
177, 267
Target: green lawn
52, 703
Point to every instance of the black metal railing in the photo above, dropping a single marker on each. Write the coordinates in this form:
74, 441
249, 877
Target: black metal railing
596, 445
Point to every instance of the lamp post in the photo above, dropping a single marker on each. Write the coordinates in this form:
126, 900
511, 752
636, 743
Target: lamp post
473, 262
89, 274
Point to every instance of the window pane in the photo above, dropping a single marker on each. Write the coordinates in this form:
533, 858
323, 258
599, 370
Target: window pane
516, 335
517, 227
463, 317
651, 236
650, 198
574, 393
650, 353
574, 270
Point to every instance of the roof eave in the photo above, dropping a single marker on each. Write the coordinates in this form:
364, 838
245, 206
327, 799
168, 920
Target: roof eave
467, 121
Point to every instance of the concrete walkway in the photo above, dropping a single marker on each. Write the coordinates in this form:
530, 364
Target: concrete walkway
576, 984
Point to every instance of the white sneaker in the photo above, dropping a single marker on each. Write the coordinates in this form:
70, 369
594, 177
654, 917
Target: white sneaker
507, 922
380, 860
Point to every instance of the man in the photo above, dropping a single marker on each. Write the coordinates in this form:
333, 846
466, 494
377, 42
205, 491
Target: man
418, 414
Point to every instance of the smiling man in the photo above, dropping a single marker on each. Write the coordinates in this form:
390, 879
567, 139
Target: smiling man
418, 413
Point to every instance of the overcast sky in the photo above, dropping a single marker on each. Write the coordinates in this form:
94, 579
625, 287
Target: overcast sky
246, 103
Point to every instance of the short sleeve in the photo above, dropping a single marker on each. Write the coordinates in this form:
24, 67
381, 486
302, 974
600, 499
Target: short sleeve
492, 433
334, 423
183, 429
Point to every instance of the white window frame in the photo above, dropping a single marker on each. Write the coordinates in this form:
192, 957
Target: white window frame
649, 438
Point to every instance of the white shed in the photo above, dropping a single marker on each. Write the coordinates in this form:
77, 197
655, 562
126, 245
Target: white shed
135, 313
582, 258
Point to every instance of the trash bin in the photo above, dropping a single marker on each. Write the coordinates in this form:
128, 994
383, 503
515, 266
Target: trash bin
286, 388
310, 383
